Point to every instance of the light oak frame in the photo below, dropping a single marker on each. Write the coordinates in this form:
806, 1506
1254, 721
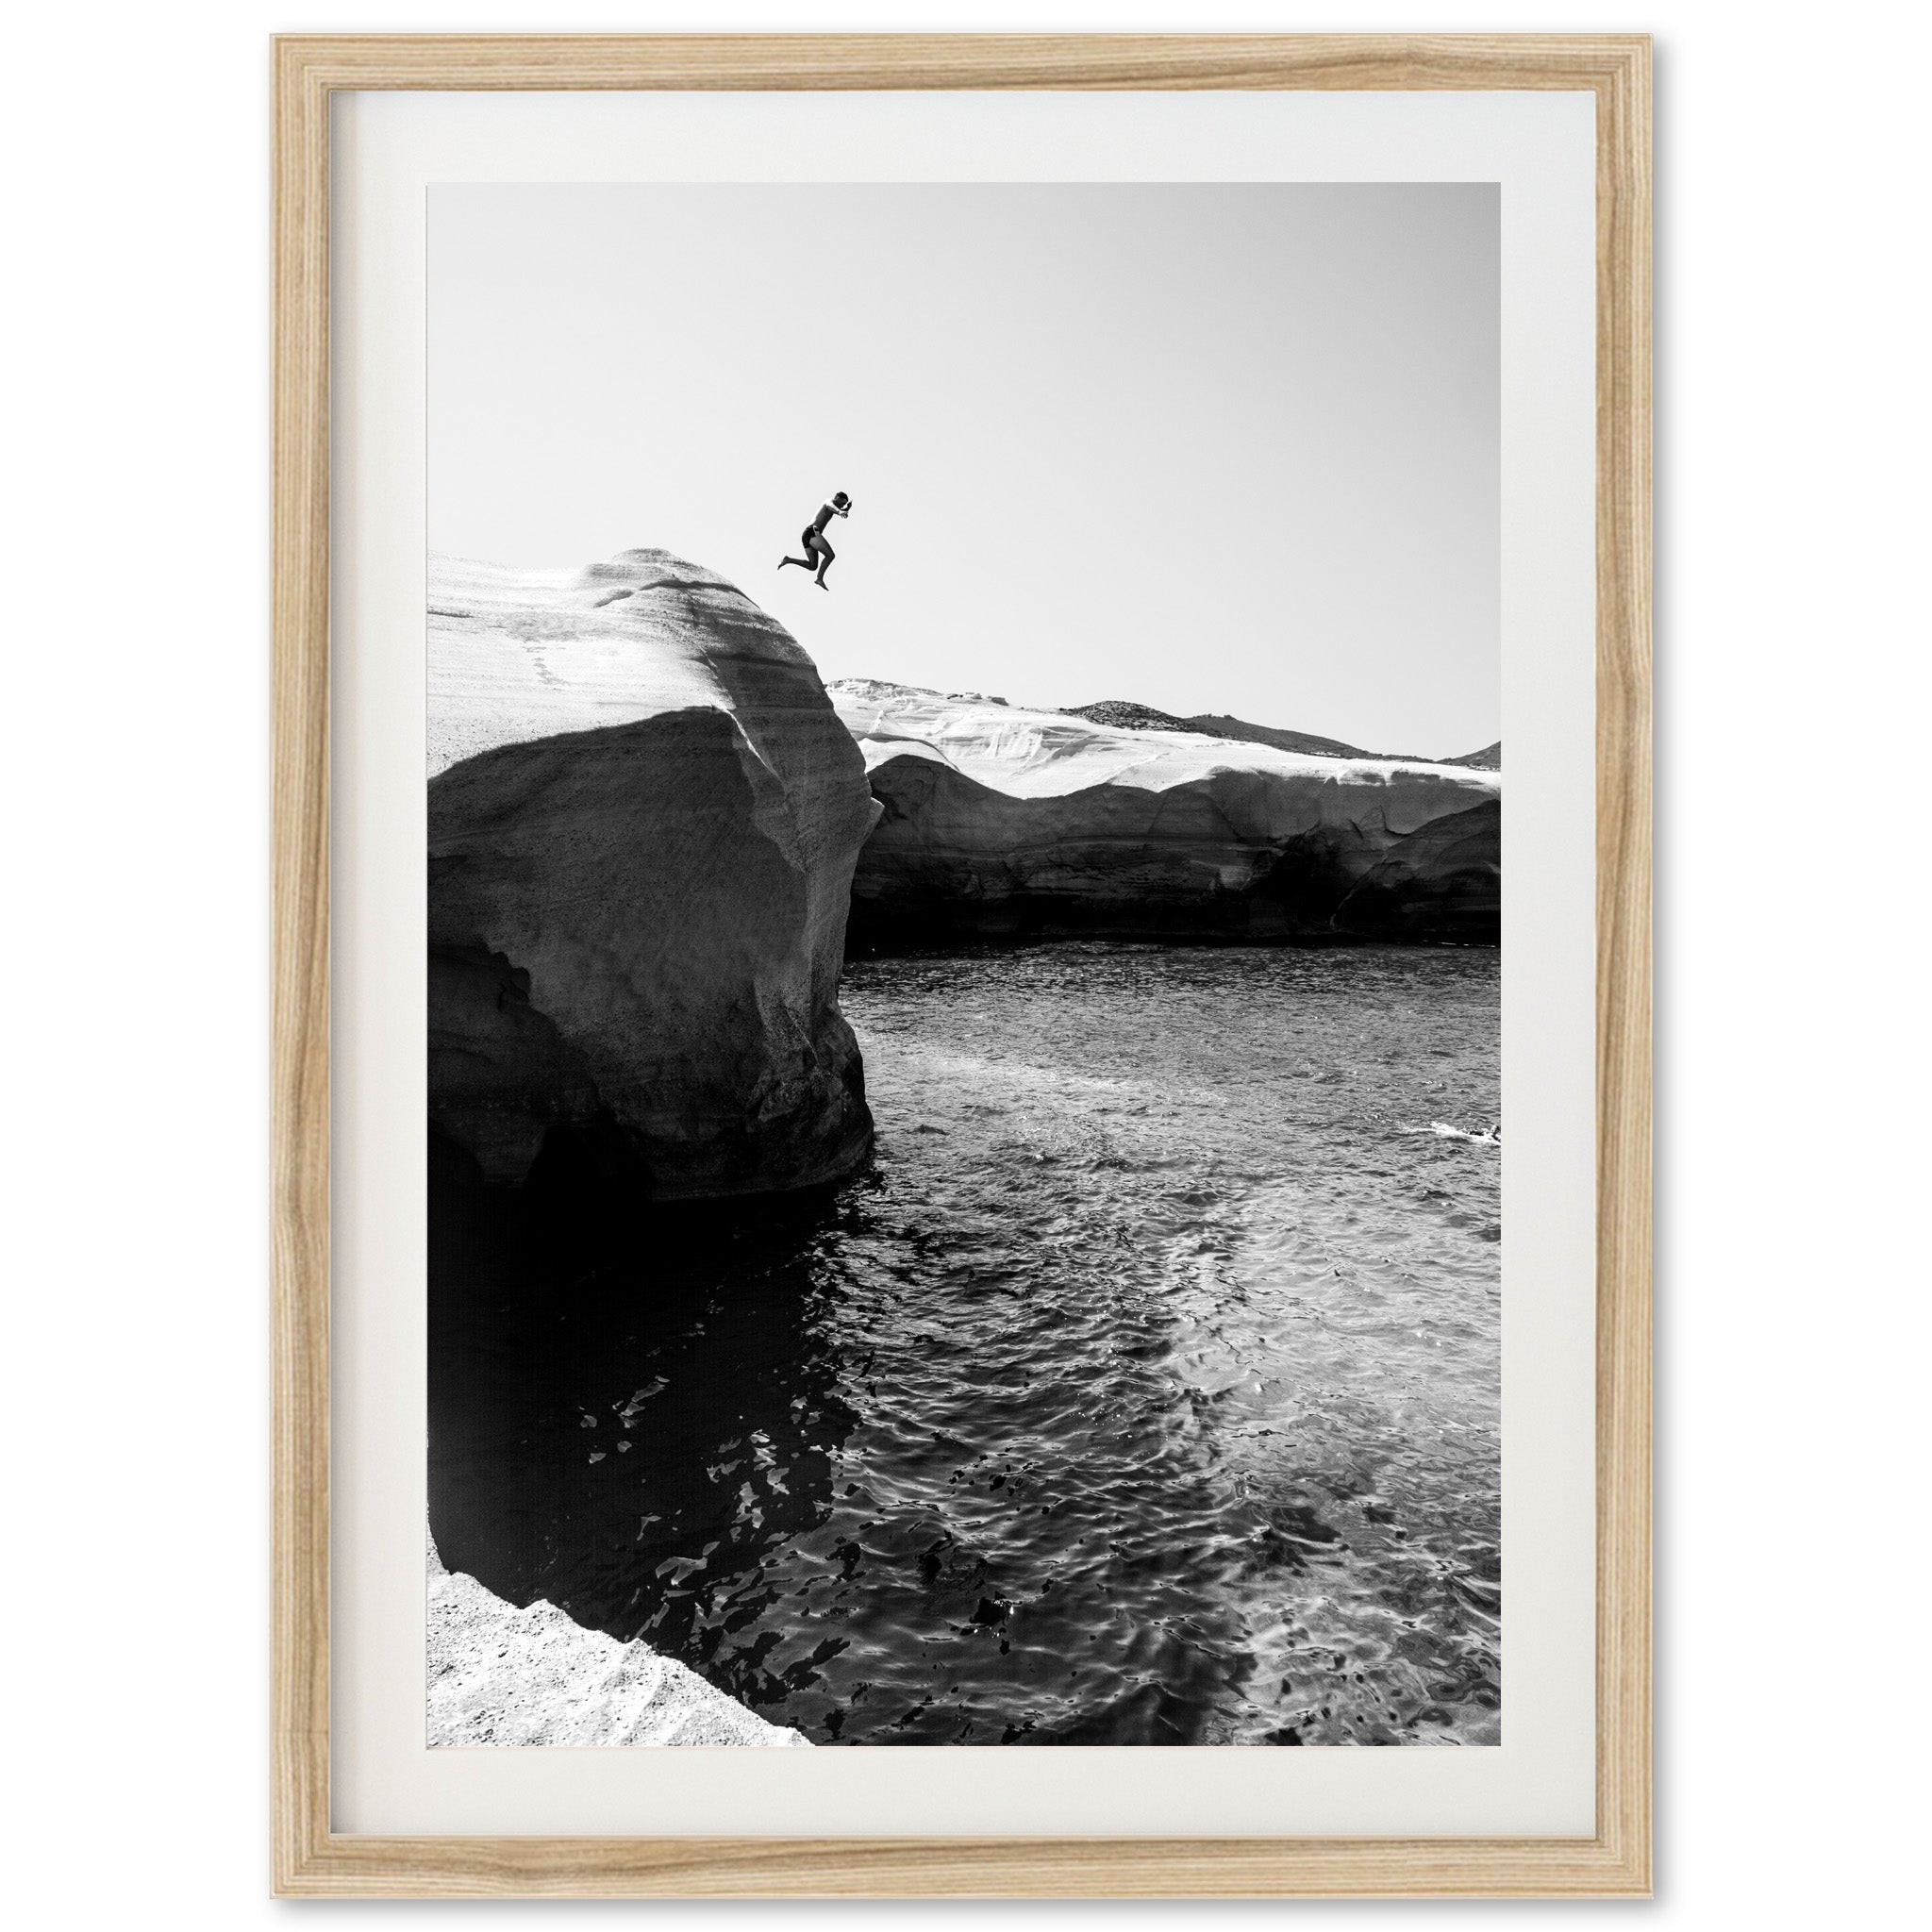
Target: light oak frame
311, 1861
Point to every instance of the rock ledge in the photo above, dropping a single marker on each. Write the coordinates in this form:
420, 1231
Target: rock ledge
501, 1675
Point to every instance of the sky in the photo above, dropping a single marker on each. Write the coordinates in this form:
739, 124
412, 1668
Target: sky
1223, 447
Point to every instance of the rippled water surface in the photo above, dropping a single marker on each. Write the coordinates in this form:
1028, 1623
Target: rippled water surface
1145, 1391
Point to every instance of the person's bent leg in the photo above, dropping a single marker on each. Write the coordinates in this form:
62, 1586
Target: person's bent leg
825, 555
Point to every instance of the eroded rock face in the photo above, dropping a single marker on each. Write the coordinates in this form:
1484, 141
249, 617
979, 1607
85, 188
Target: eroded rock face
1002, 821
643, 816
1443, 881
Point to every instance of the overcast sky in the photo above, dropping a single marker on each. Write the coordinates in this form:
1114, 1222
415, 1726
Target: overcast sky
1214, 448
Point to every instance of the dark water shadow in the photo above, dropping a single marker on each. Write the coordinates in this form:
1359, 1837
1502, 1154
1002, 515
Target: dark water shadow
631, 1405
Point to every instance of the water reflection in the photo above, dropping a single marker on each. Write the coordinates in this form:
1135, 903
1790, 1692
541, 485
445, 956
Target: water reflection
1144, 1391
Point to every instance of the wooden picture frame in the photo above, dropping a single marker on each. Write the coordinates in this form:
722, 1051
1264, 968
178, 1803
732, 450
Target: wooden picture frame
308, 1859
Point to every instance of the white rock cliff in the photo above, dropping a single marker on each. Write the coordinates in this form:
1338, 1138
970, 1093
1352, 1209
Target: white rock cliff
1003, 820
643, 818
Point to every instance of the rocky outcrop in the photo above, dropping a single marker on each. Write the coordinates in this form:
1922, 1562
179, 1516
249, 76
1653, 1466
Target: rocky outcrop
1122, 714
1010, 822
643, 816
502, 1675
1444, 881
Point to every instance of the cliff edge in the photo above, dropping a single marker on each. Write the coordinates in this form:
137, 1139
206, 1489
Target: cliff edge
644, 819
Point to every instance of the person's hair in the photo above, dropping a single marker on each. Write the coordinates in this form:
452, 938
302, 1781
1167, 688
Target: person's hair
839, 496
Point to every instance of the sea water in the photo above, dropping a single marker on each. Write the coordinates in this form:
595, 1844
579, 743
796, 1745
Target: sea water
1144, 1391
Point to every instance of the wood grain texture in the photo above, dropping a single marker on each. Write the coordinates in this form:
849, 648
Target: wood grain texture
308, 1858
723, 62
1624, 965
299, 1064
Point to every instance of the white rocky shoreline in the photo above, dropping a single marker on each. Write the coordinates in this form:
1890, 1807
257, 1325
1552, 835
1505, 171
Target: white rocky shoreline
502, 1675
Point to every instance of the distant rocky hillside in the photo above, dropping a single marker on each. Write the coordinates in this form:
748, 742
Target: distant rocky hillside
1122, 714
1005, 822
1119, 714
1239, 728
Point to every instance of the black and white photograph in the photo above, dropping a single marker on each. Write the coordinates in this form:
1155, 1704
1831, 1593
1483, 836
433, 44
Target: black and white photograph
965, 771
763, 995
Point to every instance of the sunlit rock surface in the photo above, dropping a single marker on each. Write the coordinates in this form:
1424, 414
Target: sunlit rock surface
999, 820
643, 818
502, 1675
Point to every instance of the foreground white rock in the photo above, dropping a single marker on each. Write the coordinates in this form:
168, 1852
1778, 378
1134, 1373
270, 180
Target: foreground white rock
1006, 821
643, 816
501, 1675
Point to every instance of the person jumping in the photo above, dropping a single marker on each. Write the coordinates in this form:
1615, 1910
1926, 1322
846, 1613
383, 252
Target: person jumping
816, 548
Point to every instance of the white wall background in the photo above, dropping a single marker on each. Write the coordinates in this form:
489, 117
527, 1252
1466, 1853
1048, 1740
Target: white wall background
1792, 631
